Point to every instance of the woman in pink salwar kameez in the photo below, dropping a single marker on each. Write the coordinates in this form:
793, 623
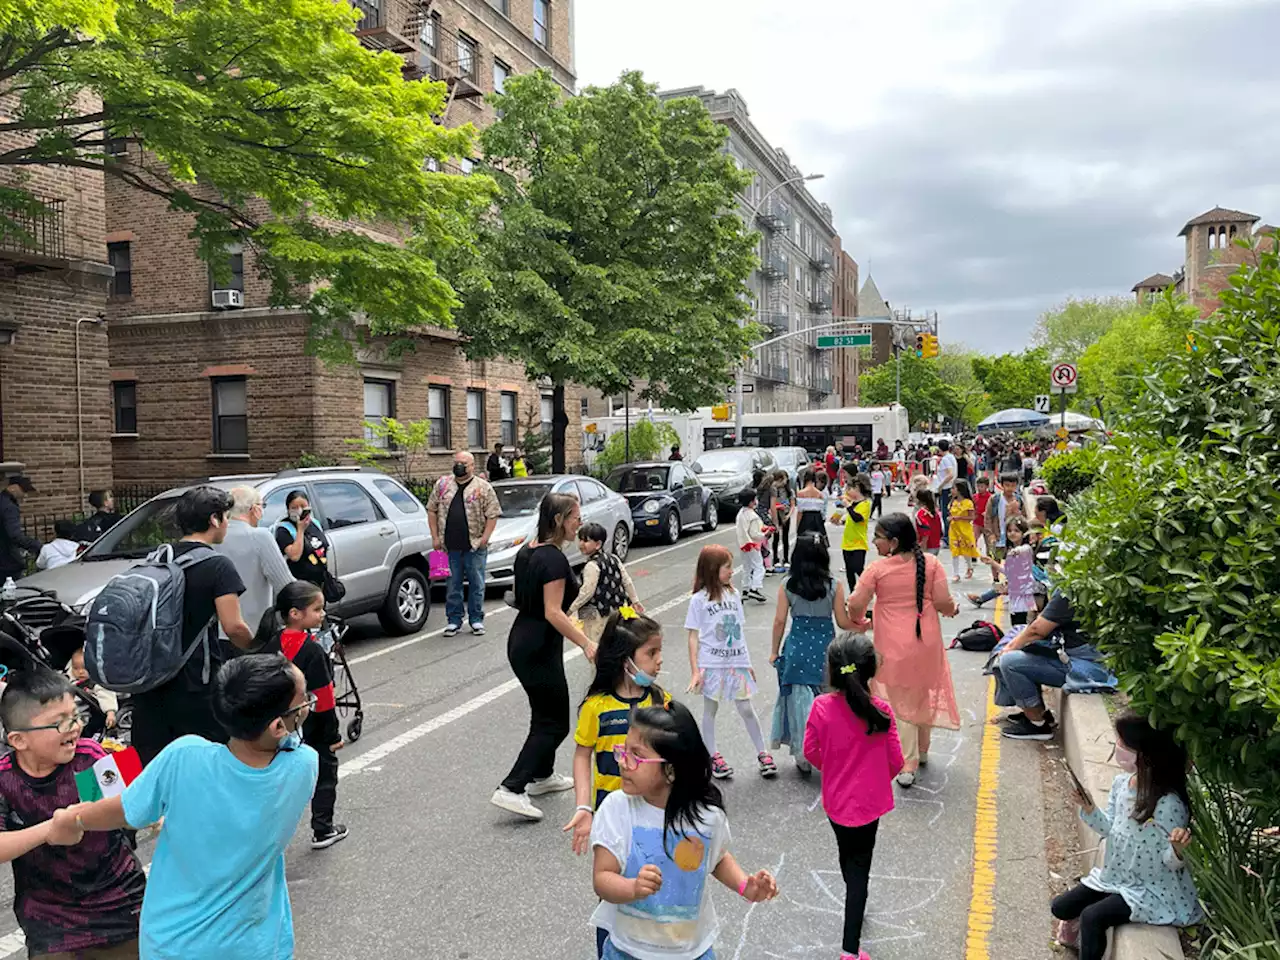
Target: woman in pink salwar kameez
910, 590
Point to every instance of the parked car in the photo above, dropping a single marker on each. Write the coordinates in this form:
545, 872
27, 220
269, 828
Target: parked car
728, 472
377, 532
665, 498
519, 521
791, 459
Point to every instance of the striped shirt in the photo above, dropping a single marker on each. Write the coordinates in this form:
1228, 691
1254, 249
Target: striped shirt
603, 723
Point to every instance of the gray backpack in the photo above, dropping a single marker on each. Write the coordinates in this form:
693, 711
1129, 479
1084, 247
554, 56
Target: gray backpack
133, 631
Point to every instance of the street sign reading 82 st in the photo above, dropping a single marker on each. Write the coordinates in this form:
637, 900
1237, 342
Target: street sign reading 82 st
1063, 378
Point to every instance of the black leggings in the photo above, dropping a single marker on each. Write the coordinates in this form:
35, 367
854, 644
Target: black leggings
536, 653
854, 562
783, 533
856, 846
877, 504
1097, 913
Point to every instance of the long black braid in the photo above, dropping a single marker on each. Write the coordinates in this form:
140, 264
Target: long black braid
898, 526
919, 587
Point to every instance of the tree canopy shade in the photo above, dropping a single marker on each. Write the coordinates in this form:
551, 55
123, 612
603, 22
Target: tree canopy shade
1068, 330
1014, 379
923, 391
615, 254
268, 122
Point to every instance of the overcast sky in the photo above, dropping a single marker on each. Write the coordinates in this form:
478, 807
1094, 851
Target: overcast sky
986, 158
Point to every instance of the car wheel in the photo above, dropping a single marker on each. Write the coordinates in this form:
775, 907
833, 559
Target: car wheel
671, 529
711, 515
621, 541
408, 602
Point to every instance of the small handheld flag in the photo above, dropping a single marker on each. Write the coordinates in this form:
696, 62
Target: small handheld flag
108, 776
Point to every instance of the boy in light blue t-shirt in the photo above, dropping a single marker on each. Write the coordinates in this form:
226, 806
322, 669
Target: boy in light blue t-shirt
217, 885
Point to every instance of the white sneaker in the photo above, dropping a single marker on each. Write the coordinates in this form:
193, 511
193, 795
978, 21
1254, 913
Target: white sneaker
906, 778
517, 803
555, 783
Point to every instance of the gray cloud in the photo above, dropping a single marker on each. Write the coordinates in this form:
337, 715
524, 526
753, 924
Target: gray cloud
1059, 156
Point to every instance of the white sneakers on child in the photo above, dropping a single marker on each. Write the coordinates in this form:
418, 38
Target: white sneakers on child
517, 803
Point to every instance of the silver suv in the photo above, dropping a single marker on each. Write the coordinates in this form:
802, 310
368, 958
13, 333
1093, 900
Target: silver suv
377, 530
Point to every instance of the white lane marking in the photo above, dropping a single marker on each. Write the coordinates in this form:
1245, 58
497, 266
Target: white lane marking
499, 609
384, 750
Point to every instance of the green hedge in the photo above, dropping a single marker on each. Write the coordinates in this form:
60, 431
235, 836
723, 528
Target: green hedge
1070, 473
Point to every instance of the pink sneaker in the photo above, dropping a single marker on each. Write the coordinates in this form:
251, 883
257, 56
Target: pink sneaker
719, 769
1068, 933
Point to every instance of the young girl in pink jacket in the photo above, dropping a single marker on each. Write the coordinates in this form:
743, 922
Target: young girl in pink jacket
853, 739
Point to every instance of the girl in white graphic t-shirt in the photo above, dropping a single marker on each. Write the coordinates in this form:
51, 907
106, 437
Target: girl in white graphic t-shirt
718, 655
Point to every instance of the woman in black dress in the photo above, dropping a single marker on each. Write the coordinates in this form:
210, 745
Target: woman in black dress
545, 587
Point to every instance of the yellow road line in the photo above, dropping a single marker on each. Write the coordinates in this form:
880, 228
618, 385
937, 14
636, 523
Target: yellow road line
982, 899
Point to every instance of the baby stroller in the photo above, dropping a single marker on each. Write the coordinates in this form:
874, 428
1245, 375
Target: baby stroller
346, 696
37, 629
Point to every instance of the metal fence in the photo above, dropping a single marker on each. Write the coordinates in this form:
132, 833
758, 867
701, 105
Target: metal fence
128, 498
37, 227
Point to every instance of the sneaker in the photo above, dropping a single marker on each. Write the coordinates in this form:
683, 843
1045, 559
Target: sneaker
452, 629
1068, 933
758, 596
781, 568
768, 769
320, 841
975, 599
477, 628
906, 778
1024, 729
719, 769
804, 768
517, 803
1020, 716
556, 783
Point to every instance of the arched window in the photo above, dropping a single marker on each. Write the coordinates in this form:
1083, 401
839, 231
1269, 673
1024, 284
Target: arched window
1213, 238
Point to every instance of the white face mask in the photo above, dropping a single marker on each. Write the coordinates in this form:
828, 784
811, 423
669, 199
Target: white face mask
1126, 759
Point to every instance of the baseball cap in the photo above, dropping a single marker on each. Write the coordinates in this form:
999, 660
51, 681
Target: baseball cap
19, 480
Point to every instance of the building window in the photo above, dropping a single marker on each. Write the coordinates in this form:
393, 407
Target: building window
124, 404
379, 407
542, 22
546, 412
500, 73
466, 165
797, 278
584, 406
438, 414
502, 6
430, 50
467, 57
475, 419
233, 277
508, 415
230, 415
121, 260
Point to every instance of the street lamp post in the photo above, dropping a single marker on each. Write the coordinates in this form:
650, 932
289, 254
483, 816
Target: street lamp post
740, 376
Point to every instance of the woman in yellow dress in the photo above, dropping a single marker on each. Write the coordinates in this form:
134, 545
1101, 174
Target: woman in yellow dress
963, 542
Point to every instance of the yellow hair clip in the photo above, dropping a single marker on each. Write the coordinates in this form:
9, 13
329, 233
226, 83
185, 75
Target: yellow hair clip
627, 613
848, 668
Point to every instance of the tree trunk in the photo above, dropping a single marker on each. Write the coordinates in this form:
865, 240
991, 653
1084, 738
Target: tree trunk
559, 427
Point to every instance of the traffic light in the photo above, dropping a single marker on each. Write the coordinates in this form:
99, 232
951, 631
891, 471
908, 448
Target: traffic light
930, 346
920, 342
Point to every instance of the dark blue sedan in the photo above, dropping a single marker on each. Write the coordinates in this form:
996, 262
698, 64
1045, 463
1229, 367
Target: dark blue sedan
666, 498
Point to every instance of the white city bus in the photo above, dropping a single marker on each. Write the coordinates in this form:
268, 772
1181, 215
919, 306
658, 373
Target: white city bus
815, 430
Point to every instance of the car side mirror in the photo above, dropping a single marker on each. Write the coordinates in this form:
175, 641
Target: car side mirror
697, 468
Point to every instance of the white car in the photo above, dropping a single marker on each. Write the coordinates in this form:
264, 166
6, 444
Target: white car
518, 524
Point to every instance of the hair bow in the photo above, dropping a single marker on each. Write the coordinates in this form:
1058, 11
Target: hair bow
849, 668
627, 613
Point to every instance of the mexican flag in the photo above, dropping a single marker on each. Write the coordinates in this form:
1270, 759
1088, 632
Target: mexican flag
109, 776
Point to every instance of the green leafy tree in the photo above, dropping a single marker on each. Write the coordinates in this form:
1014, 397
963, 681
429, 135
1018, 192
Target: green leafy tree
955, 369
1014, 379
615, 254
394, 446
269, 123
1175, 560
923, 391
536, 445
1071, 472
1070, 328
1112, 369
649, 441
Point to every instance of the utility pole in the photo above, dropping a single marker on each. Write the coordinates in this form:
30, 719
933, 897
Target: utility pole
897, 363
626, 425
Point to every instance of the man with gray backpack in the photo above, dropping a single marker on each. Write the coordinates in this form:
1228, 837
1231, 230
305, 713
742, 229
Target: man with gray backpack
152, 631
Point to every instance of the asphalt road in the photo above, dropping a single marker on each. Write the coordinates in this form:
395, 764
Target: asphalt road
431, 870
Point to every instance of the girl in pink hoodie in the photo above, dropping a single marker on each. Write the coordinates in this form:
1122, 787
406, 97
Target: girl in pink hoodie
853, 739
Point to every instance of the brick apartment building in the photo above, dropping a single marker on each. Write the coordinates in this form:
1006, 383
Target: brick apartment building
1210, 257
848, 363
53, 273
197, 390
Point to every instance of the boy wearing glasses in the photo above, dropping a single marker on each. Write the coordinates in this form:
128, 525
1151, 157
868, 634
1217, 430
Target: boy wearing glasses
83, 900
217, 887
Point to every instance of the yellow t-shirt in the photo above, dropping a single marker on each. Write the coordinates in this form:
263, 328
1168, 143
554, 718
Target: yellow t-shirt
603, 723
855, 531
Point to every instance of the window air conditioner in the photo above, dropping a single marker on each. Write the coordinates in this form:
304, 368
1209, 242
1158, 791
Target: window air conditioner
227, 299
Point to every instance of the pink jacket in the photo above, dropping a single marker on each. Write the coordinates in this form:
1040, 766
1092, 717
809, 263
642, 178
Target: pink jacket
857, 769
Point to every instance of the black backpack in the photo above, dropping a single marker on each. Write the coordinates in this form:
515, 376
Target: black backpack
980, 637
611, 592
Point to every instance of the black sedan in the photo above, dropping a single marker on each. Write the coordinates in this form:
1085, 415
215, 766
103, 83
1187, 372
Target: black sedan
665, 498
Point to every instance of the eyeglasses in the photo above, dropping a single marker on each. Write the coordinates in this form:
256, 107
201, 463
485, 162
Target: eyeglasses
307, 704
629, 761
65, 725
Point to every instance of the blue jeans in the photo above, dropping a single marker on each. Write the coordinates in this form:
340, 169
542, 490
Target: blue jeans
944, 508
470, 563
613, 953
1020, 675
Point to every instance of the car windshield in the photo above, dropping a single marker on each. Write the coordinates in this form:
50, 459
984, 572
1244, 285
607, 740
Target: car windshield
520, 499
638, 479
723, 460
148, 527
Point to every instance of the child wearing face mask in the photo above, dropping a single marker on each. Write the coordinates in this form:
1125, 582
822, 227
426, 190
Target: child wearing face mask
628, 661
1146, 823
209, 898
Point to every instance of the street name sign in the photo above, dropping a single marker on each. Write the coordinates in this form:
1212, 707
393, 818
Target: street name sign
844, 340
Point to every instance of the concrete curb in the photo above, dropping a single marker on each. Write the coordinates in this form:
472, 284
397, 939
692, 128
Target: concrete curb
1088, 740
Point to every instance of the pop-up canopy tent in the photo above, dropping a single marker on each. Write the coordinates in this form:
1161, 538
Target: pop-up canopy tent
1076, 423
1013, 420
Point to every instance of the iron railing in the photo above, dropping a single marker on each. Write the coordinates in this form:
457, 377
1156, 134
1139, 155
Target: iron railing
36, 226
775, 265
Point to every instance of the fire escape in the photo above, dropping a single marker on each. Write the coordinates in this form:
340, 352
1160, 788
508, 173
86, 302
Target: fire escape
775, 219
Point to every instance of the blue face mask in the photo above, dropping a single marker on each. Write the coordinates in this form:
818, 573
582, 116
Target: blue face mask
638, 676
292, 741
